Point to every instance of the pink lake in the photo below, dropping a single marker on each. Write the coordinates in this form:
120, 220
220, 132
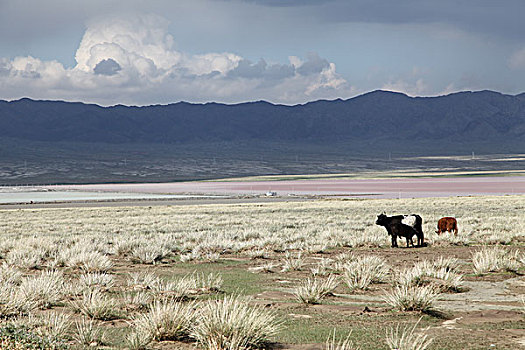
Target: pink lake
372, 188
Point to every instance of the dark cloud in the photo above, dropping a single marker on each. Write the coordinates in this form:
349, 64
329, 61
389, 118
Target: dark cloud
279, 71
502, 18
313, 65
107, 67
260, 70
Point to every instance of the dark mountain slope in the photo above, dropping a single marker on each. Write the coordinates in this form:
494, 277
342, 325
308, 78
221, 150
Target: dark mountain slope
378, 116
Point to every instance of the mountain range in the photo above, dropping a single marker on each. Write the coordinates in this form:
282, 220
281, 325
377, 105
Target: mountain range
65, 142
379, 116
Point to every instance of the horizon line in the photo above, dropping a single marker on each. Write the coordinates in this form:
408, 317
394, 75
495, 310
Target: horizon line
262, 101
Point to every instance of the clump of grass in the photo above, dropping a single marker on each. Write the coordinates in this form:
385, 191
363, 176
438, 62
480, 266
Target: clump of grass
407, 338
13, 304
412, 298
136, 340
438, 273
53, 326
449, 264
46, 289
347, 344
369, 238
96, 262
96, 305
447, 239
231, 323
178, 289
322, 268
142, 280
136, 300
313, 290
166, 320
96, 280
123, 247
447, 280
25, 258
292, 263
87, 260
10, 275
88, 334
148, 254
361, 272
495, 259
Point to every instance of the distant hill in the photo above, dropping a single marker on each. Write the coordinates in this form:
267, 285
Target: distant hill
483, 116
53, 141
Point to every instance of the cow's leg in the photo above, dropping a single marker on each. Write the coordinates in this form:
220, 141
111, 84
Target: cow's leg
394, 240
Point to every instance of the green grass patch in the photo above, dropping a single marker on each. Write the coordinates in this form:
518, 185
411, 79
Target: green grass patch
236, 277
368, 332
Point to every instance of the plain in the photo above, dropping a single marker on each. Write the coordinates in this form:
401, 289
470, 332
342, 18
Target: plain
274, 275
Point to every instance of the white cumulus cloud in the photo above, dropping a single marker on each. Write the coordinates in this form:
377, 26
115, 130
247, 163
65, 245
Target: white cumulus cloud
133, 60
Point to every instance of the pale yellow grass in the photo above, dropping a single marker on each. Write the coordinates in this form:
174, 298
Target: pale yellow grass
214, 229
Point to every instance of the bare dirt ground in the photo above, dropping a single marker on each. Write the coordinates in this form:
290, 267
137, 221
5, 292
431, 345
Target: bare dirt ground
490, 303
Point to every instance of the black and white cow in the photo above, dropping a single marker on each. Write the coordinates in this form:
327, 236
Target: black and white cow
404, 226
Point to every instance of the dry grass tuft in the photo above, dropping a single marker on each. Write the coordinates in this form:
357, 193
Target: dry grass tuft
412, 298
347, 344
96, 305
313, 290
407, 338
88, 334
231, 323
361, 272
166, 320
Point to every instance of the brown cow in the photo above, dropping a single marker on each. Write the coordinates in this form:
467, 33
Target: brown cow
447, 224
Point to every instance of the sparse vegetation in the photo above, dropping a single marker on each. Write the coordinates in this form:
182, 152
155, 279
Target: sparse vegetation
87, 272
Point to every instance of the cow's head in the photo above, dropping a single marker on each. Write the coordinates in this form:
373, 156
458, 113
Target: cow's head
381, 219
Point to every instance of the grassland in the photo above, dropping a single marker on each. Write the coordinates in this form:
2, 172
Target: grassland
150, 277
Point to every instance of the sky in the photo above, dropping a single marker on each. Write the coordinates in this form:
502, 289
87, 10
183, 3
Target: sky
138, 52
